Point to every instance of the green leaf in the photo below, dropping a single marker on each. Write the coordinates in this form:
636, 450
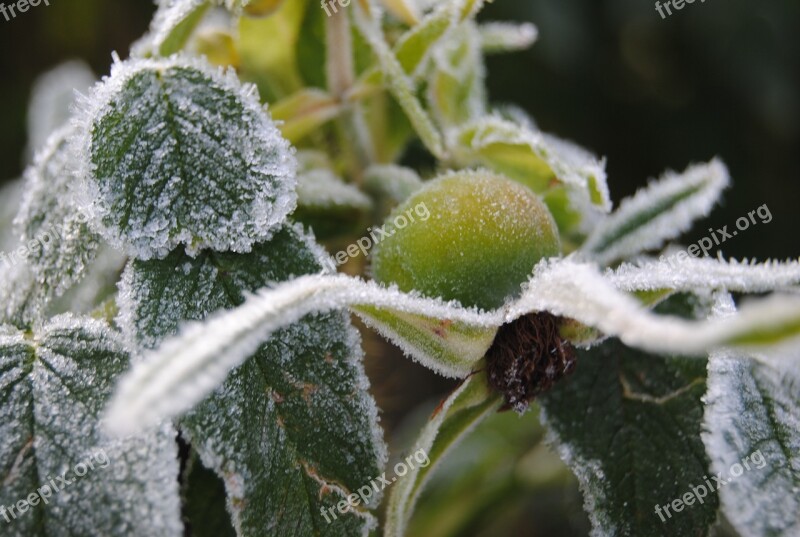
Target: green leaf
305, 112
269, 46
172, 25
54, 384
753, 439
472, 402
292, 431
456, 90
52, 227
399, 83
629, 424
662, 211
454, 347
180, 153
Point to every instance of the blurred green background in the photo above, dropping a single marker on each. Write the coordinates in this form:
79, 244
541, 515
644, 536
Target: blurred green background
717, 78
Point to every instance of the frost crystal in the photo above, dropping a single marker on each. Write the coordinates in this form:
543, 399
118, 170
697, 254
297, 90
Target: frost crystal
54, 387
176, 152
52, 226
662, 211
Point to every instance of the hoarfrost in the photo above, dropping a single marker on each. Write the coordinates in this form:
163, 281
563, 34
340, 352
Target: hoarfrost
176, 152
54, 387
661, 211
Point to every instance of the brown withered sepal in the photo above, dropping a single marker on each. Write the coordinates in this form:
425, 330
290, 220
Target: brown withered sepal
527, 357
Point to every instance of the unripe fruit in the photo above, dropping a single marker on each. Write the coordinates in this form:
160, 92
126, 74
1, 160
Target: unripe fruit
481, 239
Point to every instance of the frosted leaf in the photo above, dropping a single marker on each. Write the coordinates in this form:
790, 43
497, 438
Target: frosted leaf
98, 284
681, 273
405, 10
185, 368
172, 25
394, 182
661, 211
471, 403
21, 301
322, 189
628, 424
10, 199
53, 386
456, 84
53, 227
179, 153
52, 98
293, 429
399, 84
578, 291
752, 429
554, 168
507, 37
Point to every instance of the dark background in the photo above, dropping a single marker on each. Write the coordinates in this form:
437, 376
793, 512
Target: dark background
717, 78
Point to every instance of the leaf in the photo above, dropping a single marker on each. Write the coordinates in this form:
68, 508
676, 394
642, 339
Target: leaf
305, 112
272, 64
53, 228
10, 198
752, 435
443, 345
179, 153
172, 25
405, 10
53, 385
456, 85
193, 363
678, 272
399, 84
662, 211
629, 424
472, 402
541, 162
752, 438
293, 430
497, 37
52, 98
578, 291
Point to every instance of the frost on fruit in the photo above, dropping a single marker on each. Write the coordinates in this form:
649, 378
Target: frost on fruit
571, 180
177, 153
293, 429
51, 223
657, 213
54, 387
52, 98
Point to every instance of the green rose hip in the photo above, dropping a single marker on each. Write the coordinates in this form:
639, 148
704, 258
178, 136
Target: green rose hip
470, 236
